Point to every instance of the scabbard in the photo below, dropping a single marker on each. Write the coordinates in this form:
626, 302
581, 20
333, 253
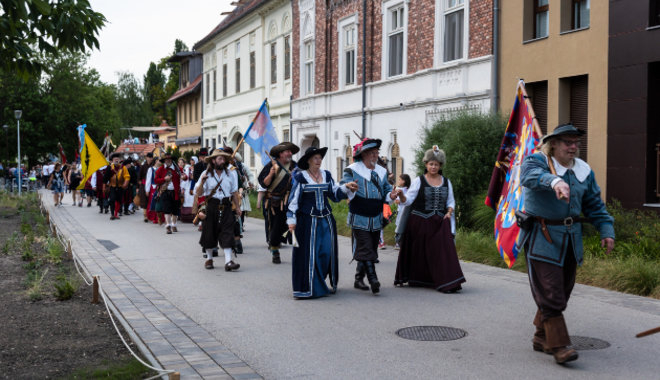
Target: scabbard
544, 229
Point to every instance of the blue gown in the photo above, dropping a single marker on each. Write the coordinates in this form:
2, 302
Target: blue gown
316, 256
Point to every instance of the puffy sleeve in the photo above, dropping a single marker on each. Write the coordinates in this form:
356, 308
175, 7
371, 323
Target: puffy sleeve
337, 192
294, 199
346, 178
412, 192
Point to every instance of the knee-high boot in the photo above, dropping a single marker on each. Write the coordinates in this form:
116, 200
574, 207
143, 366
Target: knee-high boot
558, 340
539, 342
359, 277
372, 277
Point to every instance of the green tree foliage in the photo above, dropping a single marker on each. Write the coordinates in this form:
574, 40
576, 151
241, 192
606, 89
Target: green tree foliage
154, 87
471, 142
30, 28
133, 109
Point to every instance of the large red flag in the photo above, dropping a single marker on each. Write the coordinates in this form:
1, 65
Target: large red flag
505, 194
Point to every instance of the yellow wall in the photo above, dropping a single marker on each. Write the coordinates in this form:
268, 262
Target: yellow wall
559, 56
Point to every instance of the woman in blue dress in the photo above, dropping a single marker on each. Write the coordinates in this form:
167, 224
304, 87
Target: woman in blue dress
309, 216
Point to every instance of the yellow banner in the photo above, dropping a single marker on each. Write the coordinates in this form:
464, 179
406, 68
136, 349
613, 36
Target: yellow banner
91, 160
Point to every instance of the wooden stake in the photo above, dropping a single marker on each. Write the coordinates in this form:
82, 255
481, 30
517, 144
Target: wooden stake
95, 294
648, 332
175, 376
68, 249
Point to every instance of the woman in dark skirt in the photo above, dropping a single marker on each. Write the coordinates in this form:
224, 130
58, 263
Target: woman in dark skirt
428, 255
309, 216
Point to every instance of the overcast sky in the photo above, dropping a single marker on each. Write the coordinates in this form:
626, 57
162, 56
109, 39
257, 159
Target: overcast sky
143, 31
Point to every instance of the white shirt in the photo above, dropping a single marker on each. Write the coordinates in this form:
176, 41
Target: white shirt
228, 183
413, 190
170, 185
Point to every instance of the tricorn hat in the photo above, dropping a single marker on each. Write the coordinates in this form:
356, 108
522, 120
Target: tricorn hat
303, 162
561, 130
435, 154
281, 147
364, 145
216, 153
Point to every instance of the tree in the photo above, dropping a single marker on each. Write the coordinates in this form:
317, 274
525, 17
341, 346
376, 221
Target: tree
154, 87
471, 142
30, 28
131, 104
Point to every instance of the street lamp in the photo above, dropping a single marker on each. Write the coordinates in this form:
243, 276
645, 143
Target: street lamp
6, 128
18, 114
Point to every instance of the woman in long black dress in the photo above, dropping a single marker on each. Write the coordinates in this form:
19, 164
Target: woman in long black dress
428, 255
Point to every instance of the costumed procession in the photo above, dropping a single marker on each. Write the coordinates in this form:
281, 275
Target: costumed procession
540, 189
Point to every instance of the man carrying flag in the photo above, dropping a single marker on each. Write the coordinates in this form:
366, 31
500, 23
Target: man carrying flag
91, 158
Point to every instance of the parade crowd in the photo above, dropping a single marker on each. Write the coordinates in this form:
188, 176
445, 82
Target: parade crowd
296, 201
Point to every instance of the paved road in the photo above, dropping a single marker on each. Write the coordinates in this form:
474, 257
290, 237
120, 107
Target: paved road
351, 335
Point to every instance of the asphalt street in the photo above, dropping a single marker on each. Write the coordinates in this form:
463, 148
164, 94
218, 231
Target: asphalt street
352, 334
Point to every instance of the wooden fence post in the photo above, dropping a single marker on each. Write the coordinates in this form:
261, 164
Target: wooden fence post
95, 294
175, 376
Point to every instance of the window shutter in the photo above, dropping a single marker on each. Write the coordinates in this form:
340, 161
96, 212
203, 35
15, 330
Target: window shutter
580, 110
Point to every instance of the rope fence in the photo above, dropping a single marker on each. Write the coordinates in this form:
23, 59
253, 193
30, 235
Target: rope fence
94, 281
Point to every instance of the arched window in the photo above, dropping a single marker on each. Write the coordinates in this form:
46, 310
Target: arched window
396, 161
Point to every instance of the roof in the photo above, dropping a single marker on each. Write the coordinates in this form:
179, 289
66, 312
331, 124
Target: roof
238, 13
165, 131
140, 149
193, 87
180, 56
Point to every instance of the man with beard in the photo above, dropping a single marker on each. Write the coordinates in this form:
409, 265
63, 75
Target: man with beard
219, 185
142, 179
275, 177
365, 216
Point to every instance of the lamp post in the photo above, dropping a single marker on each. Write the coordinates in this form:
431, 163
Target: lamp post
18, 114
6, 128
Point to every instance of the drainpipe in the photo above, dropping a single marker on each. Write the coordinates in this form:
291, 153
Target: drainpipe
494, 98
290, 116
364, 67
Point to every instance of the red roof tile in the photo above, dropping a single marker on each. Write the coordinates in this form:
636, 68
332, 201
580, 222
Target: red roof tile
192, 87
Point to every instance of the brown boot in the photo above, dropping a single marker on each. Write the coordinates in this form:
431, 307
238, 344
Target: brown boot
208, 264
558, 340
538, 341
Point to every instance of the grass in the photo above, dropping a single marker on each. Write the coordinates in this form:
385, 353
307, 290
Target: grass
127, 369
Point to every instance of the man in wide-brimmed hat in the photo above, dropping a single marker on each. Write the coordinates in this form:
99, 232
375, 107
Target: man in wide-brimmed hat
366, 208
117, 178
219, 185
559, 187
275, 177
168, 178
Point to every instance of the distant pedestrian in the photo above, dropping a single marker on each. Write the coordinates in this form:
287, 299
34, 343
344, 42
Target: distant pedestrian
56, 184
168, 178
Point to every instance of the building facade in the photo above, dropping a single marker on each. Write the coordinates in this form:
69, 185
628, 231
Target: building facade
560, 50
423, 59
188, 101
246, 59
633, 117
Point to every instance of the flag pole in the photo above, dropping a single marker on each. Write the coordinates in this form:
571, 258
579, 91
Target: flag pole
248, 130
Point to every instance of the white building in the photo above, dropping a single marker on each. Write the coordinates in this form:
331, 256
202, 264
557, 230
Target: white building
247, 58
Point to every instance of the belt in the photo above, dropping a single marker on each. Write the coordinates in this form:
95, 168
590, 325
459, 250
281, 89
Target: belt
568, 222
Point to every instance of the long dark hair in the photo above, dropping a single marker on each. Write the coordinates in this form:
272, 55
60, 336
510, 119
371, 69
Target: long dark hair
406, 180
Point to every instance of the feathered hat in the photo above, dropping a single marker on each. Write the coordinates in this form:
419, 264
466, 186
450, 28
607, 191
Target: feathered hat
435, 154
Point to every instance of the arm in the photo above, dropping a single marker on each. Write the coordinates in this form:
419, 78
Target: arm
594, 209
451, 203
411, 194
346, 180
263, 174
293, 206
127, 177
337, 192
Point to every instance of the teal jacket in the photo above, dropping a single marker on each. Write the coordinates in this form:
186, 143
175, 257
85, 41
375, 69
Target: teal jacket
540, 200
372, 187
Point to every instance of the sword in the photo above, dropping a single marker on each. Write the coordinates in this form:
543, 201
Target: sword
648, 332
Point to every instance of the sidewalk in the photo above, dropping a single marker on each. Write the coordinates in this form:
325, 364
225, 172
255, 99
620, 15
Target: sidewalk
163, 332
246, 323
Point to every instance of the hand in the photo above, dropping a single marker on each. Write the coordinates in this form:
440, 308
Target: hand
168, 177
274, 168
448, 215
239, 212
292, 227
562, 191
352, 186
397, 201
395, 193
203, 177
608, 244
191, 192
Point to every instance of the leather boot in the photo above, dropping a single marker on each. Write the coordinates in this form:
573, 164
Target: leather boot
276, 256
359, 277
238, 247
372, 277
557, 340
538, 341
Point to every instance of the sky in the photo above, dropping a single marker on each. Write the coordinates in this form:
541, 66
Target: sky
142, 31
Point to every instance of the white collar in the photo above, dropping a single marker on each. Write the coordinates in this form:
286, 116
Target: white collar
580, 168
361, 169
311, 180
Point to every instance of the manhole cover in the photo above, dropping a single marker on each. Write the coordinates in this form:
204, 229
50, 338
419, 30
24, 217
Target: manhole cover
582, 343
108, 244
431, 333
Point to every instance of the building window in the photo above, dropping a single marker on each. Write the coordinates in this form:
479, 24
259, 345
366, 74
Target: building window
654, 14
273, 63
184, 72
196, 111
208, 89
538, 96
215, 86
541, 18
349, 47
251, 157
238, 75
213, 143
395, 22
287, 58
285, 135
309, 67
580, 14
224, 80
453, 44
253, 69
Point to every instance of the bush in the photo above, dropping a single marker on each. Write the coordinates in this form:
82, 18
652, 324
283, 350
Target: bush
64, 288
471, 142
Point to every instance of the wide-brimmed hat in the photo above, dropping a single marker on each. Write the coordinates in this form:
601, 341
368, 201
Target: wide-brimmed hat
561, 130
116, 154
281, 147
216, 153
311, 151
167, 156
435, 154
364, 145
